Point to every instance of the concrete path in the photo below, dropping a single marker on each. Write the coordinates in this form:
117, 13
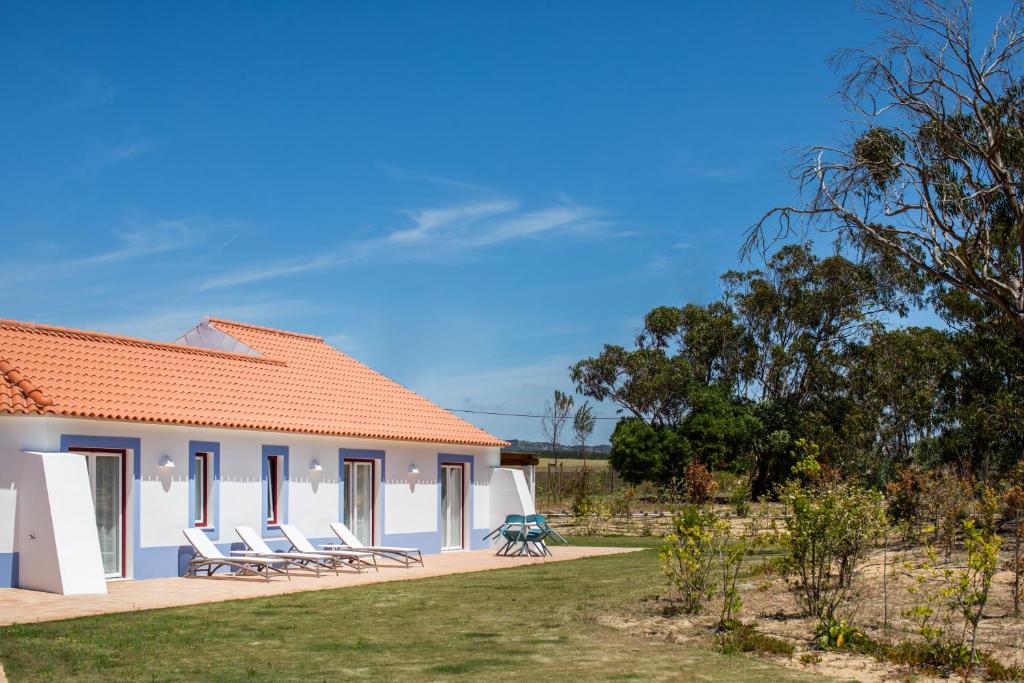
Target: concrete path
25, 606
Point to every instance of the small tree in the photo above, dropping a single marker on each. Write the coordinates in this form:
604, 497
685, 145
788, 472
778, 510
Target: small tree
830, 528
583, 424
970, 587
687, 556
556, 413
1015, 512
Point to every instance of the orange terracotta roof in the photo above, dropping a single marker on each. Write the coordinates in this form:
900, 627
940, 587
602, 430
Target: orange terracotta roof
297, 384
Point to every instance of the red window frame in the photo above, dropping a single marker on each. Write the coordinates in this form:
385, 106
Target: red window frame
273, 479
205, 484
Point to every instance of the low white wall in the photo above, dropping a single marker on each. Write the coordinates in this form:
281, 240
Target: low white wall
58, 549
510, 495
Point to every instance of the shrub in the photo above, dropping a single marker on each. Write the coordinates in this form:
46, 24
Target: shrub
737, 637
739, 498
622, 501
945, 495
1014, 500
836, 633
905, 497
963, 592
700, 485
830, 528
687, 556
970, 587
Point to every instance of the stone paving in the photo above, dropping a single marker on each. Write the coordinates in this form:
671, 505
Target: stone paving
25, 606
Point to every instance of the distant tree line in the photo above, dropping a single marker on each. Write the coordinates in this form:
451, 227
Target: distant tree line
800, 349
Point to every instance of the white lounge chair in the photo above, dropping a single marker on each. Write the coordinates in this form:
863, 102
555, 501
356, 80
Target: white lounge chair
356, 560
209, 557
259, 548
349, 541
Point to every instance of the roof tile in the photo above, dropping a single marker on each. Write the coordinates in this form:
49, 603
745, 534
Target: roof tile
298, 384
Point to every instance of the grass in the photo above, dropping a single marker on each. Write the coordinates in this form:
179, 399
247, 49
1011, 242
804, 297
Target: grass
615, 541
531, 621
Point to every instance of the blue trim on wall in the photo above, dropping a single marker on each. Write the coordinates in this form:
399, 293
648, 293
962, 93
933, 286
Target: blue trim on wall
213, 503
8, 570
429, 542
453, 459
363, 454
282, 503
68, 441
477, 540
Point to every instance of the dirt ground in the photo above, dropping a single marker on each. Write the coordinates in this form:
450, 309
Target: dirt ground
769, 606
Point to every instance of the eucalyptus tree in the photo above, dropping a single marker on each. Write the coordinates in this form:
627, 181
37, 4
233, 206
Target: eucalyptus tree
583, 424
933, 175
556, 413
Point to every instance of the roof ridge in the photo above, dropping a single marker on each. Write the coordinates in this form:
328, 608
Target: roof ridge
18, 380
263, 328
133, 341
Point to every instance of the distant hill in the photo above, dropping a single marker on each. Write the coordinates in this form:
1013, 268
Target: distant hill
523, 446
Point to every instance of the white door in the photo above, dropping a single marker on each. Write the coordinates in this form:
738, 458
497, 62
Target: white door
105, 478
451, 507
359, 499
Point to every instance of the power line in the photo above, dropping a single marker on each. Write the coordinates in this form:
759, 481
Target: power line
488, 412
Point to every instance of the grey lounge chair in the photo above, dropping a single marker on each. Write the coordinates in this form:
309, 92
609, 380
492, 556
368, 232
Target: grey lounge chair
349, 541
355, 560
209, 557
259, 548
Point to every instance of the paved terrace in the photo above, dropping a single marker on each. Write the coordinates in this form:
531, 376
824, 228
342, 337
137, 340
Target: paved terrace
23, 606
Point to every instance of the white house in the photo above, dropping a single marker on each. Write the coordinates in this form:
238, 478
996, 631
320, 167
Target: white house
233, 424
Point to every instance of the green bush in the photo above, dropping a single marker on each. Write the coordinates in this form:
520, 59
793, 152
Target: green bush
687, 556
736, 637
830, 528
836, 633
739, 498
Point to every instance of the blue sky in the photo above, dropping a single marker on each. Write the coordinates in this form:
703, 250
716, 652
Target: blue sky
467, 197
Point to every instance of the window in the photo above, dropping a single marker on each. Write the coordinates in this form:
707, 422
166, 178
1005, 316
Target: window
201, 464
273, 488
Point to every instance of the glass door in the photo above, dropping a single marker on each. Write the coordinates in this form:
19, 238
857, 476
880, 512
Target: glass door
359, 501
451, 507
105, 479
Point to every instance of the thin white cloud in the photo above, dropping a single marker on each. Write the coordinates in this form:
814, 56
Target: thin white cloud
85, 90
682, 245
405, 174
102, 154
156, 237
436, 233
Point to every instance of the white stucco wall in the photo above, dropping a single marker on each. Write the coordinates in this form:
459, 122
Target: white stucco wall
407, 504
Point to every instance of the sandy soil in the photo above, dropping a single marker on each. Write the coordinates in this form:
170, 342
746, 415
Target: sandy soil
769, 606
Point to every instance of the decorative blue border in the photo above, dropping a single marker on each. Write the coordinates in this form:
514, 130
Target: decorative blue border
363, 454
453, 459
68, 441
8, 570
282, 503
213, 503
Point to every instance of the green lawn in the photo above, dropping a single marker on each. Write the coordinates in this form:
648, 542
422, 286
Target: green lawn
533, 622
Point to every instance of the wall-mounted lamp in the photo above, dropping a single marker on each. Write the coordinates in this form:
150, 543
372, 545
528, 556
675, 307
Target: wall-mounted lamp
413, 469
167, 462
315, 466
